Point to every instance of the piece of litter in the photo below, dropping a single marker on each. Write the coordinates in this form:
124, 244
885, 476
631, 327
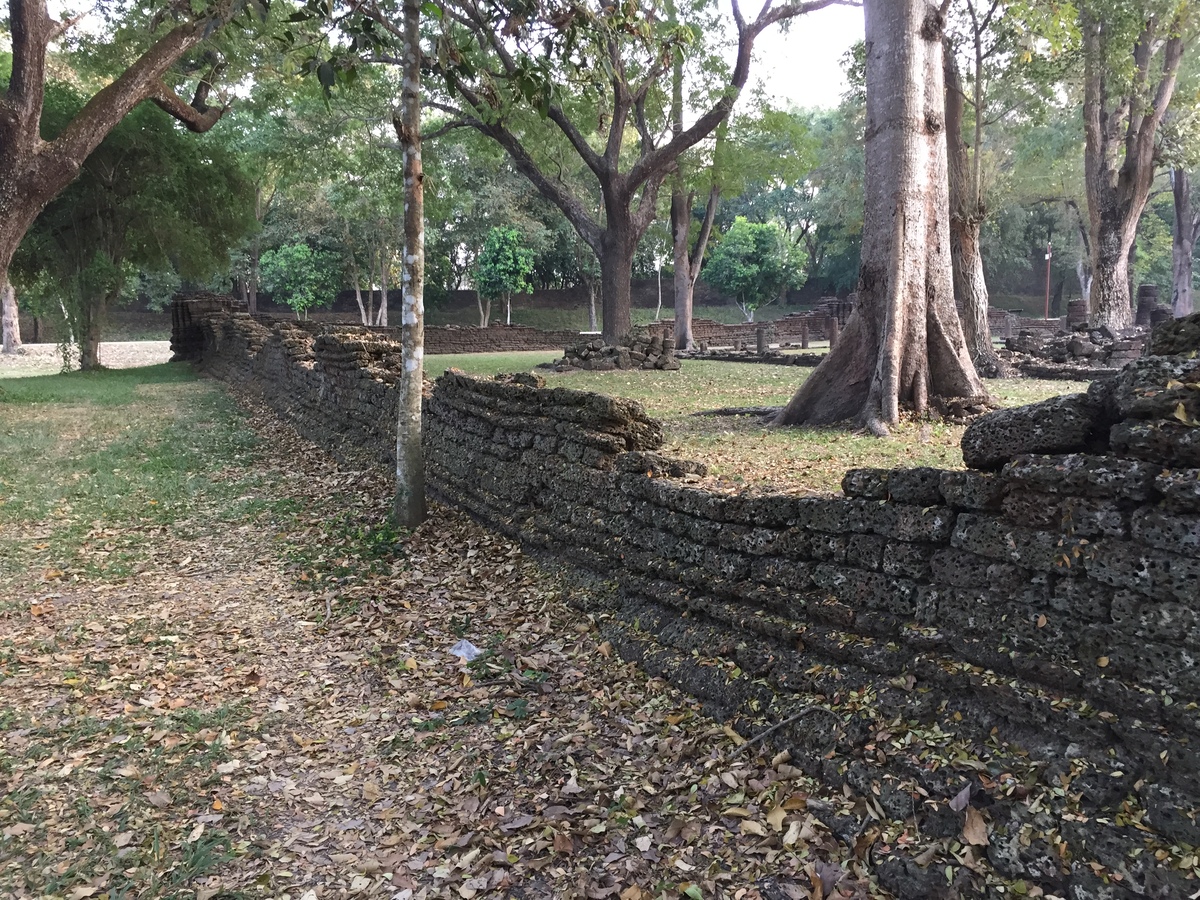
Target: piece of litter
464, 649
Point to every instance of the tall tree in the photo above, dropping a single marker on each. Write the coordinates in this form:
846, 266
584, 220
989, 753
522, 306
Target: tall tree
499, 60
410, 457
1131, 57
903, 344
148, 199
33, 171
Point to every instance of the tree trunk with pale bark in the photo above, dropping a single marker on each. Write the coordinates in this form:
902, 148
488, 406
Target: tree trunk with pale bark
11, 324
410, 458
903, 345
1183, 244
1119, 151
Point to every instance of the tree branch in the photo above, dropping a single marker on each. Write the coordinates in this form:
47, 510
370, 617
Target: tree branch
197, 116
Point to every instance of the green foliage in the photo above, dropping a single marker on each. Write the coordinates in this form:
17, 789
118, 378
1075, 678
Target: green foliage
752, 263
301, 277
504, 266
151, 199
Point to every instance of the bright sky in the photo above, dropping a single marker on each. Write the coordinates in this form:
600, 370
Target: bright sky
803, 65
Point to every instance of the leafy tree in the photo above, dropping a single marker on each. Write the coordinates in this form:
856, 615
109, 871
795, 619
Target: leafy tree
148, 199
1131, 55
582, 77
301, 277
153, 40
752, 263
504, 268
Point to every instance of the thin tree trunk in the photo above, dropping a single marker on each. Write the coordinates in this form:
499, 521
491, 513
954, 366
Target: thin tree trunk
904, 343
89, 333
385, 286
485, 309
410, 459
591, 289
966, 215
11, 322
658, 309
252, 285
1183, 244
507, 308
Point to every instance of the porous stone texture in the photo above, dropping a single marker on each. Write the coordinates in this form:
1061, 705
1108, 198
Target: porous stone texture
1069, 422
1037, 618
642, 349
1080, 354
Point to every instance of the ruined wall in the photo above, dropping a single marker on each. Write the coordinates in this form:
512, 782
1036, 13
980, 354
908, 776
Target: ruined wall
1025, 628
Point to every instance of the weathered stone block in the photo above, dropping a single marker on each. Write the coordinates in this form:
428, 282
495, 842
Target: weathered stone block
1157, 574
866, 484
1169, 444
1066, 424
1041, 551
1180, 336
1177, 532
1082, 475
920, 486
971, 490
908, 560
1154, 387
1181, 488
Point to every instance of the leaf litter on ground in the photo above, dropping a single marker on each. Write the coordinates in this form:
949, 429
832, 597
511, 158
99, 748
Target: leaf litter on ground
263, 700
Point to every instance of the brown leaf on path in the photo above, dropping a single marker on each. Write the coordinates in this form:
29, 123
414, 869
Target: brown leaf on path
975, 830
563, 843
159, 799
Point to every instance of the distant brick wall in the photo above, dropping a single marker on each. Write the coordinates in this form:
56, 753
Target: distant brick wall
1039, 614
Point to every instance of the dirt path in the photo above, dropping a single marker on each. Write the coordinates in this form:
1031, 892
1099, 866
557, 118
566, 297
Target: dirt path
46, 359
268, 706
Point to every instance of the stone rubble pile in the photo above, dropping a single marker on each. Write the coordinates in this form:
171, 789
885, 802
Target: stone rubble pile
641, 350
1081, 354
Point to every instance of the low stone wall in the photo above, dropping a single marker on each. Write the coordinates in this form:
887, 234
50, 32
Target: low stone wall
1019, 636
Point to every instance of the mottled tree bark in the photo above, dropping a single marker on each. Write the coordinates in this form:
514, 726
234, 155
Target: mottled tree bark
903, 344
410, 458
966, 217
1183, 244
11, 324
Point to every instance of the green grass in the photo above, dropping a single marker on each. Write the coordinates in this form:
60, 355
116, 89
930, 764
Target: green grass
128, 450
488, 363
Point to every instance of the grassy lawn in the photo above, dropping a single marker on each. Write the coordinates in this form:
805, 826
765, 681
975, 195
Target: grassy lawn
74, 456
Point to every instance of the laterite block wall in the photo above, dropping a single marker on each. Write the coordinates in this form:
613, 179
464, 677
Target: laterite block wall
1036, 612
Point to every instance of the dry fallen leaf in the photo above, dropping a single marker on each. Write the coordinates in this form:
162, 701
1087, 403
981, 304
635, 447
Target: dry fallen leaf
975, 829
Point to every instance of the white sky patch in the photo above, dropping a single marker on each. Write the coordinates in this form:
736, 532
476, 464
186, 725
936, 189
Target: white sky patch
803, 66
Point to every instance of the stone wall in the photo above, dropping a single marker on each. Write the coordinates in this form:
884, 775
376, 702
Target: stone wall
1023, 631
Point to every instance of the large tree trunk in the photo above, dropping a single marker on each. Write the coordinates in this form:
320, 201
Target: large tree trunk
903, 344
1110, 301
1119, 149
616, 272
485, 309
410, 458
966, 216
1183, 244
11, 324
